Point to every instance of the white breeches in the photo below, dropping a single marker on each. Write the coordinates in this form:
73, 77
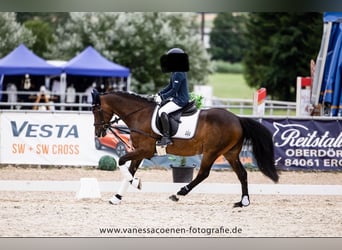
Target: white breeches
168, 108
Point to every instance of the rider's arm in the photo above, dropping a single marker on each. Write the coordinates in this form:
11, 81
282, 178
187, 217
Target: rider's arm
176, 80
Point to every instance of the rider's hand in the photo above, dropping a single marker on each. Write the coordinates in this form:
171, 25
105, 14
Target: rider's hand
157, 99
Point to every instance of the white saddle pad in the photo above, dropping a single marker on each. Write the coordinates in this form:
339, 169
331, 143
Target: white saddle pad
186, 129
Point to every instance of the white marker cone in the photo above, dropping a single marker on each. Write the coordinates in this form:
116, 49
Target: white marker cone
89, 189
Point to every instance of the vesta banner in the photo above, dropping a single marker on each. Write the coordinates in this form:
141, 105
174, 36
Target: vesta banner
48, 138
306, 144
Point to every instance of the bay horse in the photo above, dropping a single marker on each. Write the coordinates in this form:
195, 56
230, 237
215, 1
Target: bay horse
219, 132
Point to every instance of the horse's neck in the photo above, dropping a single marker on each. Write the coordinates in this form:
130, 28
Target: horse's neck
128, 108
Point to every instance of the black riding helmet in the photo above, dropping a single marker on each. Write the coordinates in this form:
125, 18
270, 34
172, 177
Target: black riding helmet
175, 60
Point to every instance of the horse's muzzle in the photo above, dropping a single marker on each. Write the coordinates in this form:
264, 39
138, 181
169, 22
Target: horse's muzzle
101, 133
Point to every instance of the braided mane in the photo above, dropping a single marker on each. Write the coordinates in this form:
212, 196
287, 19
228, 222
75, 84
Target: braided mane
131, 95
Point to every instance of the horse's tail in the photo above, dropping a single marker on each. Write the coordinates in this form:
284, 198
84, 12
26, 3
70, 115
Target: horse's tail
263, 148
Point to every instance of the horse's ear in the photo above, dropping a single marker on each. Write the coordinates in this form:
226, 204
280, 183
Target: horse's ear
96, 97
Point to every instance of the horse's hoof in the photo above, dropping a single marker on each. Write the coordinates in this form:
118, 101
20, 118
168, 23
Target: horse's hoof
237, 204
184, 191
115, 200
243, 203
174, 197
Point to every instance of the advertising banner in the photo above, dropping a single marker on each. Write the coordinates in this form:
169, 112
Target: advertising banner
68, 139
307, 144
48, 138
299, 144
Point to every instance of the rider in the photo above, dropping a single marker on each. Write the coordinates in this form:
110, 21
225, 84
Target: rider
176, 94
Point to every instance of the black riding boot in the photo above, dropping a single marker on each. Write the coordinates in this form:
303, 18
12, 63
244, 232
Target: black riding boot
165, 140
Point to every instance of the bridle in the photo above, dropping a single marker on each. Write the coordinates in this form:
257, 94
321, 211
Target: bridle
104, 125
109, 125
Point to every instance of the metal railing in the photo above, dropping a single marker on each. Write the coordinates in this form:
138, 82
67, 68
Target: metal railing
30, 98
245, 106
238, 106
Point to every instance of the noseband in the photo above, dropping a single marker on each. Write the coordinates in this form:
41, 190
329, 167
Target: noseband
104, 125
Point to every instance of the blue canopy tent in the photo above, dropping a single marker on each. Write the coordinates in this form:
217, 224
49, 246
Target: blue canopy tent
91, 63
328, 75
23, 61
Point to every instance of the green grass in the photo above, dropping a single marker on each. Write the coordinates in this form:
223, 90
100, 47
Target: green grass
230, 86
226, 85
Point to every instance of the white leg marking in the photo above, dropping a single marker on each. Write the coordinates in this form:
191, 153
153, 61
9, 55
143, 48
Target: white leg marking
245, 200
136, 182
114, 200
122, 190
125, 173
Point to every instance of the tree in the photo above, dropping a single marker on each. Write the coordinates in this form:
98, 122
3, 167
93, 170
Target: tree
135, 40
52, 18
43, 33
227, 41
42, 26
13, 33
281, 47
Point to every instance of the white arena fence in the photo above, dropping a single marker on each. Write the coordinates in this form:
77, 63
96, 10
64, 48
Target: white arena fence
238, 106
245, 106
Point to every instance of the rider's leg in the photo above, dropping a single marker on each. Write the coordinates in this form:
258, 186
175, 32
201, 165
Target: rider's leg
163, 114
165, 140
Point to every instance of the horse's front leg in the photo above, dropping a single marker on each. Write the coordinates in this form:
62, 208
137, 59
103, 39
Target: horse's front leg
128, 178
137, 154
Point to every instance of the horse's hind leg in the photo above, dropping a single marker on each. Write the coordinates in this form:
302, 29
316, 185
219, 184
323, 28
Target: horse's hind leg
234, 161
203, 173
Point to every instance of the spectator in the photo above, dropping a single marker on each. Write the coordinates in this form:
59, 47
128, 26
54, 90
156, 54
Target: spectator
70, 95
12, 95
26, 96
87, 94
42, 97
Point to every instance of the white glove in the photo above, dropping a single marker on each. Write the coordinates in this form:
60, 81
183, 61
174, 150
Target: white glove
157, 99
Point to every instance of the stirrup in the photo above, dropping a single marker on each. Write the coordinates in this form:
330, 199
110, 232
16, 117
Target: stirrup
164, 141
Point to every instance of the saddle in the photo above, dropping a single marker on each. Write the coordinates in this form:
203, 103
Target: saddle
174, 117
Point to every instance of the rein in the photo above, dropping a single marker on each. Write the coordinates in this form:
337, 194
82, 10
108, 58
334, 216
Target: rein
109, 124
119, 137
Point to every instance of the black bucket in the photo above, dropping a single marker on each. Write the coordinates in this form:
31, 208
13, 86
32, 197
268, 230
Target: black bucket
182, 174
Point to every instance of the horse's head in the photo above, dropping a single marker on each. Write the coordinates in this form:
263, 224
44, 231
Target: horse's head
102, 116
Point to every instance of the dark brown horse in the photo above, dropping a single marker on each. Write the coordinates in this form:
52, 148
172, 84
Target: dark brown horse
219, 132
